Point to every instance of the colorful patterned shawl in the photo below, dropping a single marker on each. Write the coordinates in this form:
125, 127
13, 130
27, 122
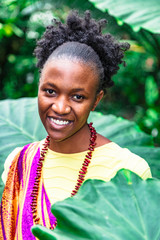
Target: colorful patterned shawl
15, 212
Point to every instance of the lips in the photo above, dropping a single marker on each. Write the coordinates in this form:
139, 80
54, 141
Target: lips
59, 122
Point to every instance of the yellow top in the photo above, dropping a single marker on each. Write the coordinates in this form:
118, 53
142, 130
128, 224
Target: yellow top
60, 171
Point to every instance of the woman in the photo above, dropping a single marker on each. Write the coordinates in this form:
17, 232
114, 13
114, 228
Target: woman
76, 64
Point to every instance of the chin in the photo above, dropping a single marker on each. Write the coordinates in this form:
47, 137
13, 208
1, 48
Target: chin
58, 138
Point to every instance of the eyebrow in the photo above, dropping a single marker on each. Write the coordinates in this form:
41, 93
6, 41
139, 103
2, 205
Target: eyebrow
51, 84
73, 90
77, 89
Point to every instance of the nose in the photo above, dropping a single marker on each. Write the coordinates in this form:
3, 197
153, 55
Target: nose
61, 106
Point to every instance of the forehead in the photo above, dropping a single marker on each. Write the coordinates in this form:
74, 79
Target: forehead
69, 70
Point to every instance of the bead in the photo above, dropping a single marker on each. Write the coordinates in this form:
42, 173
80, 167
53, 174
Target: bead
37, 219
38, 173
90, 148
34, 191
34, 211
80, 181
84, 168
39, 168
87, 160
74, 191
90, 154
37, 181
34, 197
81, 172
44, 148
33, 204
36, 177
40, 164
81, 175
85, 164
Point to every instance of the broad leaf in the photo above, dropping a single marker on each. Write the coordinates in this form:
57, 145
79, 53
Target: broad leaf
138, 14
20, 125
124, 208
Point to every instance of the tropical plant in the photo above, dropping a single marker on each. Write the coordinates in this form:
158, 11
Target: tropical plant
124, 208
20, 125
141, 22
137, 91
22, 22
135, 13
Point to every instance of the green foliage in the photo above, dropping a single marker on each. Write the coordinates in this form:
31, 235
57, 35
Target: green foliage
137, 85
20, 125
124, 208
151, 91
136, 93
23, 22
135, 13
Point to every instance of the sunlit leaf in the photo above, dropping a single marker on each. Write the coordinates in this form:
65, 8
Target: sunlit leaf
138, 14
8, 30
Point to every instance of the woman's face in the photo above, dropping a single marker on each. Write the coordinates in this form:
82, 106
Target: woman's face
67, 94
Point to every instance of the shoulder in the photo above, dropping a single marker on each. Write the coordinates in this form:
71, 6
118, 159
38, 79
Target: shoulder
117, 157
135, 163
8, 162
101, 140
16, 153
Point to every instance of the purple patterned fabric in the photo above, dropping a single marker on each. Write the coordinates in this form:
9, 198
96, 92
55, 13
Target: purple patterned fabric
16, 217
20, 164
27, 217
3, 231
48, 204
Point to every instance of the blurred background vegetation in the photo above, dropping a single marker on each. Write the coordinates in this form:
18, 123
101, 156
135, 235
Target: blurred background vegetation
136, 94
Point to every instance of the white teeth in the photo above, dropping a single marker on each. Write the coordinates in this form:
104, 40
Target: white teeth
59, 122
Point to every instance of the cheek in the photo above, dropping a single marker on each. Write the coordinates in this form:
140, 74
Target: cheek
42, 104
83, 111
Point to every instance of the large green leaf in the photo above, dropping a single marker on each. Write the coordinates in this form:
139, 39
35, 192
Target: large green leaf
126, 208
20, 125
138, 14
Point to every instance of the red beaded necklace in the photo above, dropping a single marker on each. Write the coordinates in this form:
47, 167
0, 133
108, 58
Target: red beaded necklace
81, 175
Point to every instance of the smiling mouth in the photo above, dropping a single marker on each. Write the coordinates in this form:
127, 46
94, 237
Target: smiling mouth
59, 122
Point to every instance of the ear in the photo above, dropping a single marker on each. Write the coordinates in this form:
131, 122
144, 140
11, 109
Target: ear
98, 99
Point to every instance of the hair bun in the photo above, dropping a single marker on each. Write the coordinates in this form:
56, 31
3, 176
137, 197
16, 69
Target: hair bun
88, 31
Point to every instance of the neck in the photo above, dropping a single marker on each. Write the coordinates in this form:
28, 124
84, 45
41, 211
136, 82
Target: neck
78, 142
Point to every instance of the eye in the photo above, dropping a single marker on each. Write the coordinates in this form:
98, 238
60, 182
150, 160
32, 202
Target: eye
50, 91
78, 97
